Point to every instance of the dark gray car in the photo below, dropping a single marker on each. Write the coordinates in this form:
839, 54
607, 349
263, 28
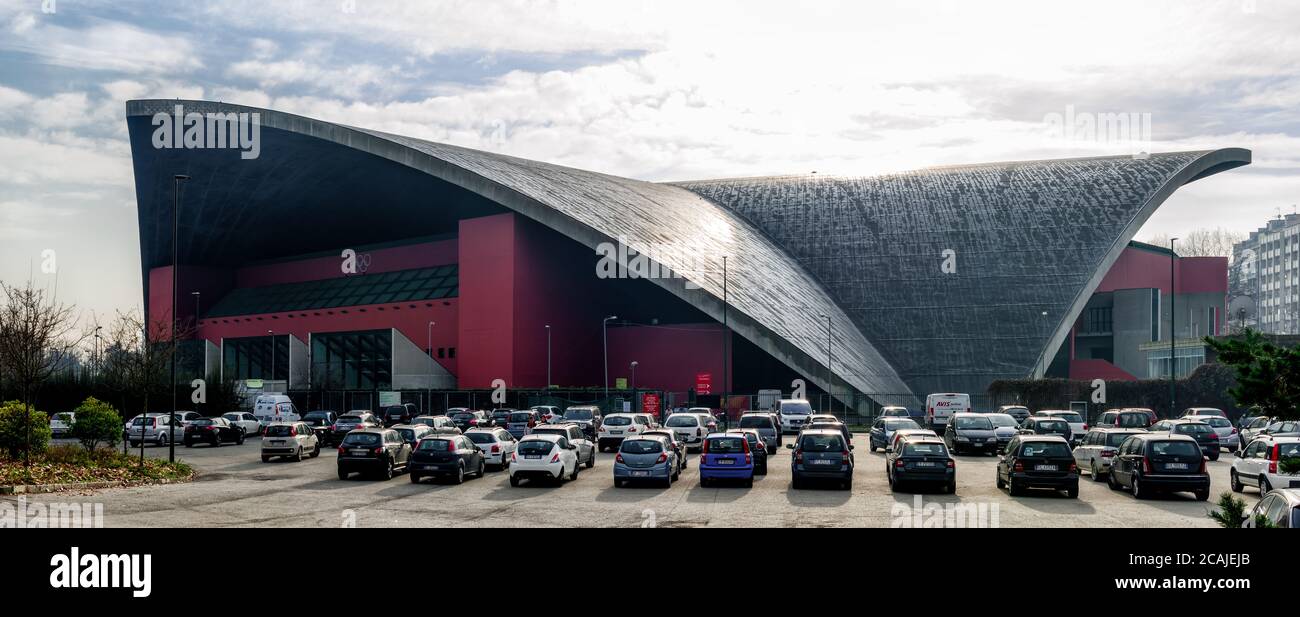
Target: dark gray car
970, 432
768, 427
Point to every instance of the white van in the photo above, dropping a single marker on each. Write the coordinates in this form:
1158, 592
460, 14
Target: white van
268, 408
940, 407
793, 413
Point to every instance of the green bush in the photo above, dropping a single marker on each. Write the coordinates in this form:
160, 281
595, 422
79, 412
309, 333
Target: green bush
97, 422
13, 429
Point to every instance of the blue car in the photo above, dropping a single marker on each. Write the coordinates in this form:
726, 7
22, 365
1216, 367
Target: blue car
726, 457
646, 459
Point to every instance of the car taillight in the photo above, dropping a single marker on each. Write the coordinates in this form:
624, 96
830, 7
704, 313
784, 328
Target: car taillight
532, 423
1085, 426
1019, 466
1073, 467
632, 430
699, 433
1272, 458
1204, 469
555, 458
952, 464
618, 458
798, 456
1234, 430
340, 450
379, 450
495, 448
1107, 453
512, 457
451, 446
900, 464
1146, 464
749, 459
663, 458
334, 427
293, 431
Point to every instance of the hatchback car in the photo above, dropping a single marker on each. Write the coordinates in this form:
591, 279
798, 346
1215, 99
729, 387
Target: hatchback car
970, 432
1038, 461
1098, 447
1005, 427
398, 414
549, 458
882, 431
905, 433
1019, 412
646, 459
244, 420
1252, 428
500, 417
1078, 426
835, 425
447, 456
61, 423
321, 423
212, 431
895, 411
157, 428
1286, 428
548, 413
1281, 508
521, 423
468, 419
726, 457
412, 433
586, 417
688, 428
373, 450
1153, 462
440, 424
921, 461
289, 440
756, 446
677, 446
1204, 411
1203, 434
821, 455
1222, 427
617, 426
1124, 419
352, 421
768, 427
1263, 463
497, 445
585, 449
1047, 425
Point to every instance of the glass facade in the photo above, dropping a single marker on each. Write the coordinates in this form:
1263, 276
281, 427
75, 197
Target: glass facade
383, 288
352, 360
253, 358
1188, 359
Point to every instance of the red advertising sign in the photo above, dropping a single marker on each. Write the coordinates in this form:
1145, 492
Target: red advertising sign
704, 383
650, 403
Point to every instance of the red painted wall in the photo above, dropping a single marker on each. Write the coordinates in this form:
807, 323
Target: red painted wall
487, 287
668, 357
1098, 369
408, 257
211, 283
1142, 269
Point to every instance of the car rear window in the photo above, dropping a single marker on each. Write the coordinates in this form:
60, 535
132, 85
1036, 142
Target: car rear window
463, 416
1175, 448
796, 408
1054, 425
203, 422
349, 419
1192, 429
688, 421
1288, 450
1044, 449
1115, 439
1069, 417
552, 431
435, 445
1217, 422
925, 449
1000, 420
482, 437
821, 443
641, 446
752, 438
408, 434
974, 424
278, 431
535, 447
395, 411
360, 439
578, 414
895, 424
521, 417
1134, 420
618, 421
755, 422
726, 445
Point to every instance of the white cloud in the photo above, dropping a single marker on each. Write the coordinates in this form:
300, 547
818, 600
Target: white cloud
104, 46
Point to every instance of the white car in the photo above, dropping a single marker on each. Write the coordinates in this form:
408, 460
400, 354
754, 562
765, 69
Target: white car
244, 420
497, 445
1281, 508
793, 414
688, 428
289, 440
271, 408
616, 426
1258, 465
1204, 411
905, 433
61, 423
1097, 449
156, 428
543, 457
1222, 427
550, 413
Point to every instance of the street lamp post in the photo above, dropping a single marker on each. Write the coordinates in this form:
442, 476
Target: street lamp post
829, 375
271, 333
548, 357
604, 335
176, 212
726, 339
428, 405
1173, 331
99, 360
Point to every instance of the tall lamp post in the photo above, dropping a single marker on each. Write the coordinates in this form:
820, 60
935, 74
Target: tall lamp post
271, 333
1173, 331
604, 336
633, 367
726, 339
99, 361
428, 405
548, 357
829, 375
176, 212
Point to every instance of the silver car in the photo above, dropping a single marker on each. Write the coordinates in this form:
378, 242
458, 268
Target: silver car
156, 428
1222, 427
768, 427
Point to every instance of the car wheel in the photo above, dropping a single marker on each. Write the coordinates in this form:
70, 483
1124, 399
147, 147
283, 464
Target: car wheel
266, 459
1234, 482
239, 440
1112, 482
297, 455
677, 474
1138, 492
514, 481
189, 444
1264, 486
796, 484
1073, 492
871, 447
952, 488
460, 475
481, 468
591, 460
315, 452
1095, 471
343, 475
574, 475
135, 444
1000, 483
1214, 456
1203, 495
415, 478
388, 469
1013, 488
704, 483
749, 482
162, 439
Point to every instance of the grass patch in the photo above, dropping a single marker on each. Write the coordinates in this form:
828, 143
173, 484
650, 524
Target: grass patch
68, 464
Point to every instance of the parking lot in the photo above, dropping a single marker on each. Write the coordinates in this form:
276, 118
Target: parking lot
234, 488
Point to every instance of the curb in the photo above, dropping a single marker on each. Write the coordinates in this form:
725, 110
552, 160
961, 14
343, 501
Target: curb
36, 489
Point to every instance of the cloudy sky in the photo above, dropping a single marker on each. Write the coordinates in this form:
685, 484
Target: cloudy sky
659, 90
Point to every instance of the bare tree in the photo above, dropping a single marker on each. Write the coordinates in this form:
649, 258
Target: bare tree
37, 336
1201, 242
138, 357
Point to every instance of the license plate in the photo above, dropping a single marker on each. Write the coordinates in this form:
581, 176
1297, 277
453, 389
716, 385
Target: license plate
533, 456
726, 461
926, 464
616, 432
358, 452
1175, 465
823, 462
281, 443
1044, 467
640, 474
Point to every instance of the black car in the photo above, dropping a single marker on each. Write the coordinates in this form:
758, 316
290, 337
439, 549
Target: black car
678, 447
212, 431
373, 450
829, 426
587, 418
1153, 462
1202, 432
756, 447
352, 421
1019, 412
921, 461
447, 456
1047, 425
501, 417
398, 414
1038, 461
321, 423
466, 420
821, 455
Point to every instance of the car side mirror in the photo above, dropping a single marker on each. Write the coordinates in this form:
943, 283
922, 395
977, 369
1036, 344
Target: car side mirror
850, 446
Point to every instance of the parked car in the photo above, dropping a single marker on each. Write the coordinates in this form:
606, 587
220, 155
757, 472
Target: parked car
1005, 427
398, 414
156, 428
548, 413
921, 461
1098, 447
500, 417
617, 426
521, 423
270, 408
835, 425
289, 440
586, 448
1222, 426
213, 431
352, 421
1252, 429
726, 457
768, 426
373, 450
821, 455
970, 432
1259, 465
1047, 425
895, 411
497, 445
1203, 434
1204, 411
882, 431
706, 416
1152, 462
61, 423
546, 457
1078, 426
440, 424
1282, 429
412, 433
1281, 508
646, 458
688, 428
321, 423
907, 433
1038, 461
244, 420
447, 456
793, 413
469, 419
586, 417
186, 417
1019, 412
940, 407
1119, 418
678, 447
756, 447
